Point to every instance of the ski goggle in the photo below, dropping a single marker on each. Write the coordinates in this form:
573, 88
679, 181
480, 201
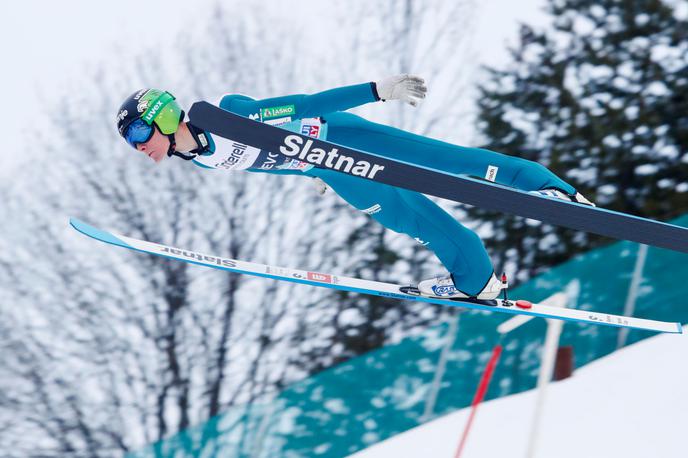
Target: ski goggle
138, 132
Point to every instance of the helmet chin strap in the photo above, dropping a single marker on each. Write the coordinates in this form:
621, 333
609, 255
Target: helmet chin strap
171, 151
201, 140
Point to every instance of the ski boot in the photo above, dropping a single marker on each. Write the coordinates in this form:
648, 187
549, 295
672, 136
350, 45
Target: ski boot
443, 287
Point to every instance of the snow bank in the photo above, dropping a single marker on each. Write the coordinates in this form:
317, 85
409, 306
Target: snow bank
632, 403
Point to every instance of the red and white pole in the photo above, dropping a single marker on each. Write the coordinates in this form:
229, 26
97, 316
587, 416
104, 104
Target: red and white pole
480, 394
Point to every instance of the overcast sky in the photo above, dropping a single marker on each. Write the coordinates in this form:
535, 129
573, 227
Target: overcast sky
45, 44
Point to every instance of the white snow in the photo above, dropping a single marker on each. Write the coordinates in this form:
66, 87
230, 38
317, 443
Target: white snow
657, 89
646, 169
681, 11
632, 403
611, 141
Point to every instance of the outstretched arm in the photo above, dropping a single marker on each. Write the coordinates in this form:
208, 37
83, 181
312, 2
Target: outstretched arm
299, 106
403, 87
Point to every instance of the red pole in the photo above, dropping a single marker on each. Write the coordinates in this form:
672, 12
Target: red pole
480, 394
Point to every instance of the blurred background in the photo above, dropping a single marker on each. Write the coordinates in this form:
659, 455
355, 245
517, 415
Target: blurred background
109, 353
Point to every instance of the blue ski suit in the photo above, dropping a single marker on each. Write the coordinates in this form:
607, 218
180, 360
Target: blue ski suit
459, 249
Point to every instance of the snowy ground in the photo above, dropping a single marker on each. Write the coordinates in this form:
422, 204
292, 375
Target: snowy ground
633, 403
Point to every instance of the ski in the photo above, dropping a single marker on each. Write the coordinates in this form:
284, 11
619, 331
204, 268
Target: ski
389, 290
459, 188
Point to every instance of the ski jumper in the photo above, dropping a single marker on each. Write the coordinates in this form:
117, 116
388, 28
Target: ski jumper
322, 115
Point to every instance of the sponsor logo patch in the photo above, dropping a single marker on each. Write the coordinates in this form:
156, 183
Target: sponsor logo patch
296, 147
278, 121
235, 156
443, 290
372, 210
277, 271
153, 111
269, 162
140, 94
322, 278
491, 174
293, 164
176, 252
276, 112
311, 130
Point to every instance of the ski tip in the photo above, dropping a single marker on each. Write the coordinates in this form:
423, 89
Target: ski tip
680, 328
82, 227
96, 233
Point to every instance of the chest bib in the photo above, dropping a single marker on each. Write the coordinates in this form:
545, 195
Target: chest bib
229, 155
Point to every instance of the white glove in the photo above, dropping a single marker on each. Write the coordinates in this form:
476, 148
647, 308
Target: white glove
320, 185
407, 88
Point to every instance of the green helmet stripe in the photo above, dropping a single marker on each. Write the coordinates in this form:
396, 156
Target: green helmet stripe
156, 107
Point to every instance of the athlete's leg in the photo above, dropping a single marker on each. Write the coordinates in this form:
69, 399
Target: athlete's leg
459, 249
354, 131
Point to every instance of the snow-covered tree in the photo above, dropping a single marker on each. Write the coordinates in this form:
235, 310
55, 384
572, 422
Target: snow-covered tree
599, 97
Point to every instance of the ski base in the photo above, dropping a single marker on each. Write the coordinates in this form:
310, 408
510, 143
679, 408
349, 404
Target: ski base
376, 288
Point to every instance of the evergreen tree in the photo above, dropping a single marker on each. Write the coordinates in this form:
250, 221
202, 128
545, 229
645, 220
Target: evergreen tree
601, 98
